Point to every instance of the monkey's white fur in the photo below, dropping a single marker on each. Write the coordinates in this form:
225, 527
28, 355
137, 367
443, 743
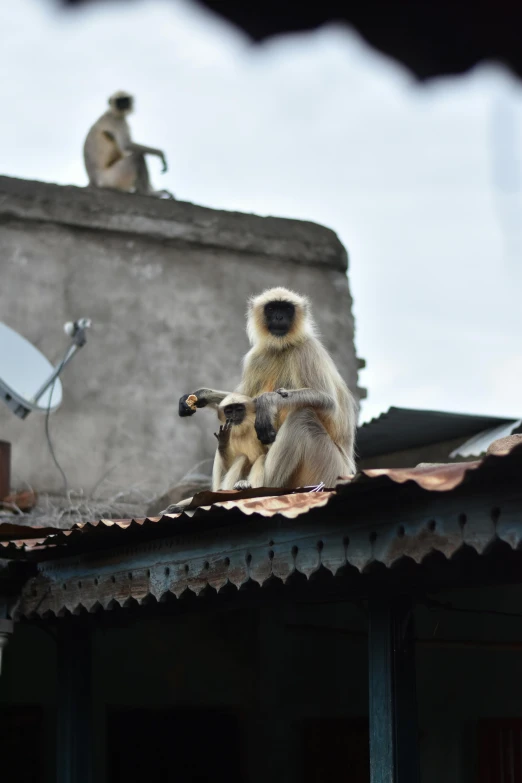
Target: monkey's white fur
303, 326
316, 422
244, 456
315, 417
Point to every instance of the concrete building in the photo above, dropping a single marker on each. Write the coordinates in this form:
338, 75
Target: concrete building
166, 285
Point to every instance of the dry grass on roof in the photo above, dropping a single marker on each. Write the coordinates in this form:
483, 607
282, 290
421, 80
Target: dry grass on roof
64, 511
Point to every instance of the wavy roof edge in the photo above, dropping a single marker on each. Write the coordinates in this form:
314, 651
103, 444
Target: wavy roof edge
210, 509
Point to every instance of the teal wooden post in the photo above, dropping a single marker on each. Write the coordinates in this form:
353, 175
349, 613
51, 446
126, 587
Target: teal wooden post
74, 747
394, 752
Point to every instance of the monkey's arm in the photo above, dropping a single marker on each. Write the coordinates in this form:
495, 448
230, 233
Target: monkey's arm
269, 403
305, 398
205, 397
144, 150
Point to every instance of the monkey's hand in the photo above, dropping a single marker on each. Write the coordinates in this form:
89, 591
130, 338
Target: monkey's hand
265, 432
283, 392
264, 425
184, 408
223, 436
266, 408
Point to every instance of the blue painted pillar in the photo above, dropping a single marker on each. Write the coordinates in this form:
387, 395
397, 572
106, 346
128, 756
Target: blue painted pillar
74, 746
394, 750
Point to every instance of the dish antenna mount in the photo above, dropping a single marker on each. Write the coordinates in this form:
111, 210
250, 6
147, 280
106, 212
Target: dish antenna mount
28, 381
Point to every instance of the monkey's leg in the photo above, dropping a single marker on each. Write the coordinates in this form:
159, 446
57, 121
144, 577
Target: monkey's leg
303, 454
143, 186
321, 401
177, 508
235, 472
256, 477
143, 183
142, 149
131, 174
122, 175
218, 471
243, 484
162, 194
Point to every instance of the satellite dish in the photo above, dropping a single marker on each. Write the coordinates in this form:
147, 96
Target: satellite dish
28, 381
23, 371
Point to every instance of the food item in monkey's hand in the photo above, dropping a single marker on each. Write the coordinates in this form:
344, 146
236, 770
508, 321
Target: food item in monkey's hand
191, 401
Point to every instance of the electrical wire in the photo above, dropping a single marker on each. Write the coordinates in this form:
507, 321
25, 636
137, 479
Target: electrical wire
47, 429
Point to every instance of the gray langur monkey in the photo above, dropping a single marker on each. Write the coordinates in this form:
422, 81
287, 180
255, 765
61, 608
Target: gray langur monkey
240, 455
112, 159
303, 406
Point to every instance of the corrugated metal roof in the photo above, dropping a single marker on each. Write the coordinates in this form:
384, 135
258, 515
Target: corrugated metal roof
381, 517
479, 444
406, 428
264, 502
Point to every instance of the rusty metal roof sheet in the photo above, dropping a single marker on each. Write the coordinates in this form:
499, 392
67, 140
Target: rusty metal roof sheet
264, 502
434, 478
383, 517
11, 530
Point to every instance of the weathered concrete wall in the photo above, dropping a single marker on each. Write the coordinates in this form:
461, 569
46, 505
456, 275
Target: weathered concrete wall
166, 285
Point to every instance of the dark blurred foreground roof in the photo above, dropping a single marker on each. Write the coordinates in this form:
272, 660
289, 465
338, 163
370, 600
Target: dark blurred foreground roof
430, 37
233, 540
407, 428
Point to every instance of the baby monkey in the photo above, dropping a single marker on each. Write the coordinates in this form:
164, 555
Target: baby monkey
240, 456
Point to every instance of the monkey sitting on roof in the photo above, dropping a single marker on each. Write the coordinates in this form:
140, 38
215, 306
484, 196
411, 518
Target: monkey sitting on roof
240, 455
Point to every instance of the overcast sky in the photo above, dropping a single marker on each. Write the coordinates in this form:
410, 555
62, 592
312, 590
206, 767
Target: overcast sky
421, 183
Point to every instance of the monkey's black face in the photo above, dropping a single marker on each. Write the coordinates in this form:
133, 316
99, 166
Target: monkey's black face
279, 317
235, 413
124, 103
